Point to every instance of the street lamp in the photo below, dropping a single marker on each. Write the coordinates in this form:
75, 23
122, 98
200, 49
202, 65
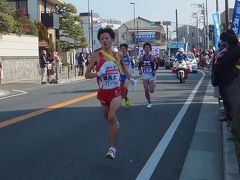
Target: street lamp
134, 24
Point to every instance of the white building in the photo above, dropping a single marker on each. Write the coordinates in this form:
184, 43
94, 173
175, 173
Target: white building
97, 22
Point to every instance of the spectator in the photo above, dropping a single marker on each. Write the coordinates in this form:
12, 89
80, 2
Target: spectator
228, 59
50, 71
43, 66
57, 62
81, 64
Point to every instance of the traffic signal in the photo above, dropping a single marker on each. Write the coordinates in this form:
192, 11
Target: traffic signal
155, 23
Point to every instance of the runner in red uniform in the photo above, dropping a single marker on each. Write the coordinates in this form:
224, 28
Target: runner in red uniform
109, 66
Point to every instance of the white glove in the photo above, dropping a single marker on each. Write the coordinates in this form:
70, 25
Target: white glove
132, 81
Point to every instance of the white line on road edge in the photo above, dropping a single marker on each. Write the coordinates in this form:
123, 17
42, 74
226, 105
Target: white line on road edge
152, 162
20, 93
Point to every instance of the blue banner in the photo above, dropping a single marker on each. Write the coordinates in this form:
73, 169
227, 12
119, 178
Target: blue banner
216, 21
236, 17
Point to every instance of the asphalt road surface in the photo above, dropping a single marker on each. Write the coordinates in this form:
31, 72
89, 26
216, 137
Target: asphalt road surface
58, 132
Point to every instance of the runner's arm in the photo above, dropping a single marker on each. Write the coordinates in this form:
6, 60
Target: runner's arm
140, 64
124, 69
92, 62
156, 64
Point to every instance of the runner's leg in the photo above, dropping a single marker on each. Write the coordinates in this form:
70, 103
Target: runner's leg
126, 83
152, 86
105, 110
146, 85
112, 120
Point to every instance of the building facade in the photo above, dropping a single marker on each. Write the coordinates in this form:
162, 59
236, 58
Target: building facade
143, 31
91, 25
42, 11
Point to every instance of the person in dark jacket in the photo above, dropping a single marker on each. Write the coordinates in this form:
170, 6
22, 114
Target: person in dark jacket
228, 71
43, 66
81, 65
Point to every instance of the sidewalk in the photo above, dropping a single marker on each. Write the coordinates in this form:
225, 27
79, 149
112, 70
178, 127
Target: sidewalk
212, 154
64, 78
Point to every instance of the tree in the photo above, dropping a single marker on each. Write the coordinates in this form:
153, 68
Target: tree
69, 28
7, 22
15, 21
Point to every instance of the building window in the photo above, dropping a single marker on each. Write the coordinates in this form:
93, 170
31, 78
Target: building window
157, 34
20, 4
123, 36
192, 34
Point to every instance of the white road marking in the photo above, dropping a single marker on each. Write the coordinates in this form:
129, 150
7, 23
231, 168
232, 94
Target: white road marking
14, 95
157, 154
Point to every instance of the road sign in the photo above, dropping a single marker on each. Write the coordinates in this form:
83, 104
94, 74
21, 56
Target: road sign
167, 23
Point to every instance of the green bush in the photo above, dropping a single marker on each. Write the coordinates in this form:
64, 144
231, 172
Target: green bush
42, 31
7, 23
33, 28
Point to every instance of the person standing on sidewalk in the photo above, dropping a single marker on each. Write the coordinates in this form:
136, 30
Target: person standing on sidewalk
81, 64
50, 71
57, 62
229, 71
109, 66
43, 66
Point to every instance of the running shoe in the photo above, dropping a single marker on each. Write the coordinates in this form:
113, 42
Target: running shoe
149, 106
110, 154
127, 103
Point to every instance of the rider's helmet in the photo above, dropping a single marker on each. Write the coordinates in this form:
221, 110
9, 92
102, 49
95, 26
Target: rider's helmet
180, 50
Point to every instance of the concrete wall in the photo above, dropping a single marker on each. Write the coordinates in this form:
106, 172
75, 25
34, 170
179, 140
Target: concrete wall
19, 68
14, 46
19, 56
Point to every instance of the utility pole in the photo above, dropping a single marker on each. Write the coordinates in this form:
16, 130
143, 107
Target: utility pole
207, 27
92, 29
167, 23
137, 40
216, 5
226, 15
89, 27
204, 27
176, 25
134, 24
167, 33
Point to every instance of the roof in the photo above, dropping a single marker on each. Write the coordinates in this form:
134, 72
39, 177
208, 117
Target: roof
142, 24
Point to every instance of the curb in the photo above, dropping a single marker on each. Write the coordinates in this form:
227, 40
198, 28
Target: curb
230, 163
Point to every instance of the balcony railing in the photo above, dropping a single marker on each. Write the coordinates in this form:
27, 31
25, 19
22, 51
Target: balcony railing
50, 19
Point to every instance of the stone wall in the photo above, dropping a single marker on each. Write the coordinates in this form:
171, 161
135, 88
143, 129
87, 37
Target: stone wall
20, 68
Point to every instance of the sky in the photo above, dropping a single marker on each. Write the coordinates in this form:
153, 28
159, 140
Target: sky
153, 10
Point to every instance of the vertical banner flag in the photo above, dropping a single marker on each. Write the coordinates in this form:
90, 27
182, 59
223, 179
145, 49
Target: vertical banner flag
216, 21
236, 17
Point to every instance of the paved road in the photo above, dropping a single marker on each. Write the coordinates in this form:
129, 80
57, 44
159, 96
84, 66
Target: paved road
58, 132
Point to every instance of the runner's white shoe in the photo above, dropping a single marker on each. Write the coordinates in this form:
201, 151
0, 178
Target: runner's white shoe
111, 154
149, 106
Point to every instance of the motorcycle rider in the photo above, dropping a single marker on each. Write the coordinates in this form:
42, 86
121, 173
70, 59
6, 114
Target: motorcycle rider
180, 56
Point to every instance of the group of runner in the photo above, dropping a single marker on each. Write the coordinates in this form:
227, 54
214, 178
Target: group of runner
114, 75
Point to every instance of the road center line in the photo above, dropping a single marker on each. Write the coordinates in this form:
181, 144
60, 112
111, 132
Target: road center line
49, 108
157, 154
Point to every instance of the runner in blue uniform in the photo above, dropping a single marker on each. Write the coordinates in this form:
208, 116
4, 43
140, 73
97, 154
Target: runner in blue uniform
127, 60
147, 67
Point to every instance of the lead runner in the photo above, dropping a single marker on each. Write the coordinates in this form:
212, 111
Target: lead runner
109, 66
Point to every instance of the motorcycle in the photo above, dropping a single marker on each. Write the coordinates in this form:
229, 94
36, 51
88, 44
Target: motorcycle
181, 70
